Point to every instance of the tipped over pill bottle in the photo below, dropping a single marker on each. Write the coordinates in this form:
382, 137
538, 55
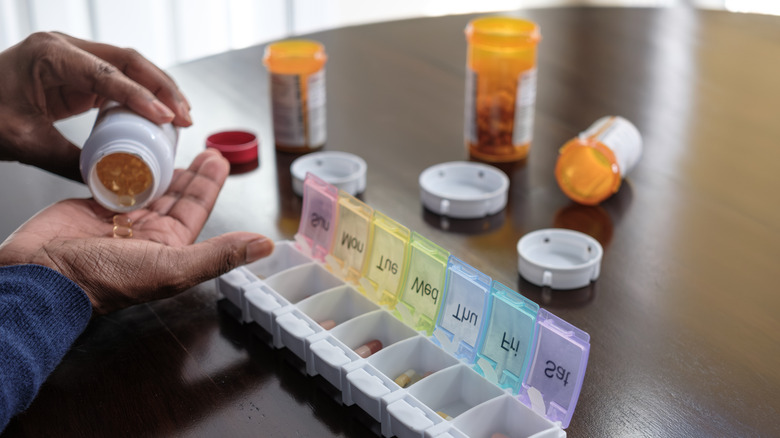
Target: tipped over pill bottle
591, 166
500, 87
297, 80
127, 160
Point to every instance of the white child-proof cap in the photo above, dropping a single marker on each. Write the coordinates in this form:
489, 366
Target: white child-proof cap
464, 189
559, 258
341, 169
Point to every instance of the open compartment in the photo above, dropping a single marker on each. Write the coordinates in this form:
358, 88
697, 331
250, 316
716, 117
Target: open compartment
286, 255
508, 416
330, 355
300, 282
395, 367
441, 397
318, 313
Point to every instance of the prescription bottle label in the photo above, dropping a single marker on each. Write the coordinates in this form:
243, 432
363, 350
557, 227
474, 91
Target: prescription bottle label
621, 137
524, 107
299, 110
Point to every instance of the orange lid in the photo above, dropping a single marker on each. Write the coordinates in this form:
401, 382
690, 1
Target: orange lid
587, 171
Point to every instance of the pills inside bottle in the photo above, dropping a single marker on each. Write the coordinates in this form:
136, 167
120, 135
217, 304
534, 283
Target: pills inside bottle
125, 175
127, 161
500, 87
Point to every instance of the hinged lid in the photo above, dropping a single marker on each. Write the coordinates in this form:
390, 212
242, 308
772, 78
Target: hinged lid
318, 217
464, 310
384, 267
506, 346
421, 295
348, 251
557, 370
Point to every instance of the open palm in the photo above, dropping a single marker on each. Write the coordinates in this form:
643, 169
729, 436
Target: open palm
75, 237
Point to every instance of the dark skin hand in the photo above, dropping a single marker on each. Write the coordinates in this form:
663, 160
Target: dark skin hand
75, 237
52, 76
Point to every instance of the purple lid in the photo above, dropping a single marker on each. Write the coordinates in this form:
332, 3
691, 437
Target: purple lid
558, 368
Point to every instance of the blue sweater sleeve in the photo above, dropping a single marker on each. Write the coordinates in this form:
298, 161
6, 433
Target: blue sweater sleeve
41, 313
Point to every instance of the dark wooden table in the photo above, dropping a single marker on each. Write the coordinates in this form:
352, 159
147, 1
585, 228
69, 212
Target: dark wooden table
684, 320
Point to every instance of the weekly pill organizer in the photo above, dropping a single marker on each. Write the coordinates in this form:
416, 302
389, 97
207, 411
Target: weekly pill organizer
485, 359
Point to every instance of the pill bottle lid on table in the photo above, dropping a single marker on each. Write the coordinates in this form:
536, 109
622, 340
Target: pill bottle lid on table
559, 258
464, 189
238, 147
344, 170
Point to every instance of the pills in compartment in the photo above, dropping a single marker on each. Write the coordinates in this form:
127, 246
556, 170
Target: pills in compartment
368, 348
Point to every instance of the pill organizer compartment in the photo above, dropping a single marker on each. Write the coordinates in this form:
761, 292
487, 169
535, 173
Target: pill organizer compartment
505, 415
292, 291
286, 255
300, 322
449, 392
288, 287
330, 354
235, 284
370, 380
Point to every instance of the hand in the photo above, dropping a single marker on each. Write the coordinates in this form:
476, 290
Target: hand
75, 237
51, 76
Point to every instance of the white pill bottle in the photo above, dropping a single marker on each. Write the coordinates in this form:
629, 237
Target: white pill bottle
127, 161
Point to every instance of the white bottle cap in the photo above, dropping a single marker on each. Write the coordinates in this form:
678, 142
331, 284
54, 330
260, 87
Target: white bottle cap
559, 258
341, 169
464, 189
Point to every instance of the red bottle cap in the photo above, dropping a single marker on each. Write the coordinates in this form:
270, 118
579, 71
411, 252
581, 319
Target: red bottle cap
238, 147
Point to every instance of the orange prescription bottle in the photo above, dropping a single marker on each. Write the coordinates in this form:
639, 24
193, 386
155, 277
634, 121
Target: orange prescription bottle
500, 87
591, 166
297, 79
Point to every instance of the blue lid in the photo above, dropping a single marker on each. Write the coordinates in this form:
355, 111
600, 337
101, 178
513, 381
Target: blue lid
506, 346
464, 310
557, 370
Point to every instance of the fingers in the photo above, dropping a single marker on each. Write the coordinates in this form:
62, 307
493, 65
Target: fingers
127, 77
193, 192
213, 257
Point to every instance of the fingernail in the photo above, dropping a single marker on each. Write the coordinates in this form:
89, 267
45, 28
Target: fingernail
162, 110
258, 249
185, 111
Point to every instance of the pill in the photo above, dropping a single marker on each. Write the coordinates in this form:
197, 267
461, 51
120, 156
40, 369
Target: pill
122, 220
407, 378
328, 324
123, 232
368, 348
443, 415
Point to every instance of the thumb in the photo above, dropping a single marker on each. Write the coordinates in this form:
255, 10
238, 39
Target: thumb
213, 257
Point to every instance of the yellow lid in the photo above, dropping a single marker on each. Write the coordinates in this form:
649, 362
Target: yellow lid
501, 31
297, 56
587, 171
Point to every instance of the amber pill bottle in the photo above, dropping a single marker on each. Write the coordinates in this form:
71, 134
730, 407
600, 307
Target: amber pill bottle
297, 85
127, 161
591, 166
500, 87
